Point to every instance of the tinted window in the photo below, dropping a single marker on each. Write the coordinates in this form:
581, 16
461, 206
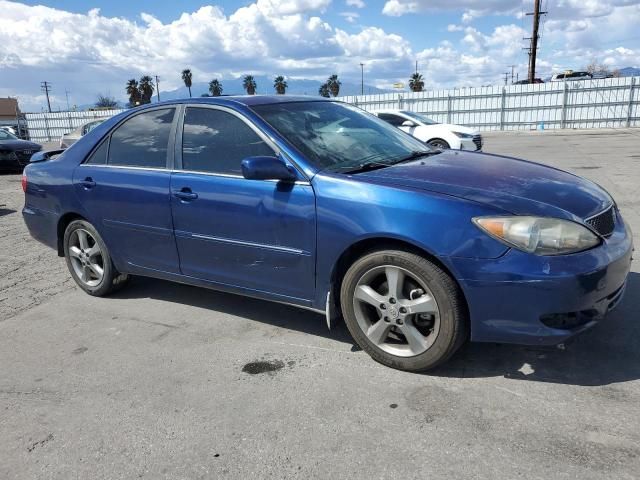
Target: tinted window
142, 141
394, 120
217, 141
99, 155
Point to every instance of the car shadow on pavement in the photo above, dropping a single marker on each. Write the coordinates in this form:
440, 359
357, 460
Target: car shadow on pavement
606, 354
276, 314
6, 211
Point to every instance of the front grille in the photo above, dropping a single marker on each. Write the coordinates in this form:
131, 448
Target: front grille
604, 222
24, 156
477, 139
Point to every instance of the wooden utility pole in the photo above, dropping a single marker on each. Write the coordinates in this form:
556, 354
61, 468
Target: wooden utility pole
534, 39
46, 88
158, 88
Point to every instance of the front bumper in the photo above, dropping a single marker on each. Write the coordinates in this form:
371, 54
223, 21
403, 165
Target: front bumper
535, 300
15, 160
472, 144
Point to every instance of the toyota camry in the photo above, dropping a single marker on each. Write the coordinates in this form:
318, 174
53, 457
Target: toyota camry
320, 205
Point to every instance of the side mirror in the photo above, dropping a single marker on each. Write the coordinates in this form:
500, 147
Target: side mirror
267, 168
408, 123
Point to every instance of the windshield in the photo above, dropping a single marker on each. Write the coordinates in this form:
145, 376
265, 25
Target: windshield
4, 135
421, 118
335, 135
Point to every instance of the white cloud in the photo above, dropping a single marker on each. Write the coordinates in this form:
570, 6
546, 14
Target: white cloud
91, 53
402, 7
355, 3
350, 17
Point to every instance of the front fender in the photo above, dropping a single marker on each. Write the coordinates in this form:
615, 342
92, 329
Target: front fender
351, 210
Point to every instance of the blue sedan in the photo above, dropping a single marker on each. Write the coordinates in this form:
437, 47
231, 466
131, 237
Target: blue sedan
320, 205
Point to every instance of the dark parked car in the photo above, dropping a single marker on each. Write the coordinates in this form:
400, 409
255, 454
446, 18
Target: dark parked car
15, 153
527, 82
318, 204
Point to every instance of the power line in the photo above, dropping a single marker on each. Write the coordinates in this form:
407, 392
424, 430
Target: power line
46, 88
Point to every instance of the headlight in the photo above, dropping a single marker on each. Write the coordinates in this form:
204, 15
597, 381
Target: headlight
462, 135
539, 235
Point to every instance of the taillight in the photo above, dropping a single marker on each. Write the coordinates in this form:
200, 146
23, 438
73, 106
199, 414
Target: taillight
24, 182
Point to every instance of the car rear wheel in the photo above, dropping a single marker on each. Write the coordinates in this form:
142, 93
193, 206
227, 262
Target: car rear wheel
439, 143
89, 261
403, 310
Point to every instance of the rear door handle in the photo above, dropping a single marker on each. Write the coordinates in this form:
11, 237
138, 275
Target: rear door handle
185, 194
88, 183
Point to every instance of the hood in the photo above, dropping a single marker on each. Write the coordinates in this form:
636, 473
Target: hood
515, 186
459, 128
14, 145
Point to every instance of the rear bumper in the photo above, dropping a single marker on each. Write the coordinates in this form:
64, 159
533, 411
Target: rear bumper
534, 300
42, 225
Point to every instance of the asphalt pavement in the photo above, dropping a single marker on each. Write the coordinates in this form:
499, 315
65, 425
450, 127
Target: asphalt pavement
171, 381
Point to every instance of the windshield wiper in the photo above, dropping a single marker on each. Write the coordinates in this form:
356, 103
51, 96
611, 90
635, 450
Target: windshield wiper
417, 154
361, 167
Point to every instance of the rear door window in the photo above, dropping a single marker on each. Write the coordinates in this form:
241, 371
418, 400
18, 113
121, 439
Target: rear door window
216, 141
99, 155
143, 140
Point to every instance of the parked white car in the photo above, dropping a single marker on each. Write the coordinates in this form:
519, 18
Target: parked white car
72, 137
437, 135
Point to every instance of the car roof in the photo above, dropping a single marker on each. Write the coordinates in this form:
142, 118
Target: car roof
248, 100
390, 110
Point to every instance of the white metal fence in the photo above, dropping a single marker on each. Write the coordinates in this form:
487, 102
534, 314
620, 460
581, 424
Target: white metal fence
610, 102
48, 127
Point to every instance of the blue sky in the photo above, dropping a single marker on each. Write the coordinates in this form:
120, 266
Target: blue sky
92, 47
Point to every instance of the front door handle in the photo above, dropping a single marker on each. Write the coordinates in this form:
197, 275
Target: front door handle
88, 183
185, 194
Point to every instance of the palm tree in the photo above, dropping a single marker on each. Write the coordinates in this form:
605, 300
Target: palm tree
133, 92
334, 85
146, 88
249, 84
215, 88
323, 91
416, 82
280, 84
186, 78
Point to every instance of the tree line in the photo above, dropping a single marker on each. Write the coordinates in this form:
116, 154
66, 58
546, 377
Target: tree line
141, 91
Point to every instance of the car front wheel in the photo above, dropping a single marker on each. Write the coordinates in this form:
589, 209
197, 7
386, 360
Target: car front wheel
439, 143
89, 261
403, 310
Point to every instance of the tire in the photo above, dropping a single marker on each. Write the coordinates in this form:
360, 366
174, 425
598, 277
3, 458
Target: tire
443, 325
86, 255
439, 143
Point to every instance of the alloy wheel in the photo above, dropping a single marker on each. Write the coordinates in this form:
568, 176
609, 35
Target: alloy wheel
396, 311
86, 257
